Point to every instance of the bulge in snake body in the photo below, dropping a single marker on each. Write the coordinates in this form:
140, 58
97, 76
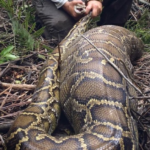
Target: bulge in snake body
92, 94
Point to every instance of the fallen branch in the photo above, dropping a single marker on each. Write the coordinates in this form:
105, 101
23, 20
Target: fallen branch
142, 97
18, 86
16, 105
5, 70
3, 102
144, 2
11, 115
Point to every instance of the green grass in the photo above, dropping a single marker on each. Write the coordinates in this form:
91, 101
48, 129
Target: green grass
141, 28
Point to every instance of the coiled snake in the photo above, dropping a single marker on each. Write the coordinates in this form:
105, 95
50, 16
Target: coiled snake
93, 95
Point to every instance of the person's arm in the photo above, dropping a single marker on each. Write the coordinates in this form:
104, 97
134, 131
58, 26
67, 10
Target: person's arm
59, 3
95, 6
92, 5
69, 8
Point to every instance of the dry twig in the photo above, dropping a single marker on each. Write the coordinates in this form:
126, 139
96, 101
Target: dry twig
18, 86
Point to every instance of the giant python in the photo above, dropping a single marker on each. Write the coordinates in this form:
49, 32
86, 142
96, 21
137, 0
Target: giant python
92, 93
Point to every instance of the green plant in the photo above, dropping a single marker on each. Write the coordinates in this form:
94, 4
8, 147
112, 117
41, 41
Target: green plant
8, 5
6, 54
22, 33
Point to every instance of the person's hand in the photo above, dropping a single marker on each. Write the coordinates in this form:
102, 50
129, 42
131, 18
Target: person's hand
95, 7
69, 8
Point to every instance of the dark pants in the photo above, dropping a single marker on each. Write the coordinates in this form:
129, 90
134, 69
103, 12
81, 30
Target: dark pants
58, 22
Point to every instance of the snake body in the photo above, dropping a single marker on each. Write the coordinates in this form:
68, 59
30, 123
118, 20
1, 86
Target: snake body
93, 95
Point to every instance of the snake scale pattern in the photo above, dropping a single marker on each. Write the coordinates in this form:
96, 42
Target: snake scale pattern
93, 95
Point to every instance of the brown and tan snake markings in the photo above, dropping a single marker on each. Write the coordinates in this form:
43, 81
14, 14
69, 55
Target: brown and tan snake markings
93, 95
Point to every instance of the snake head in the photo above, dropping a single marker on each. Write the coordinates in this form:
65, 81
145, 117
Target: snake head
80, 8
